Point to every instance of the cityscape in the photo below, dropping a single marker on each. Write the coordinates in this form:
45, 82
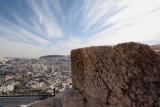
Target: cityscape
45, 75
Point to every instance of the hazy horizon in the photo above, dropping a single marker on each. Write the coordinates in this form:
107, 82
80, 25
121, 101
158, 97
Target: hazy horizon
34, 28
36, 57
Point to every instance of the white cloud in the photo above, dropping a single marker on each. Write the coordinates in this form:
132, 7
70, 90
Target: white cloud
138, 22
137, 8
15, 32
94, 11
47, 21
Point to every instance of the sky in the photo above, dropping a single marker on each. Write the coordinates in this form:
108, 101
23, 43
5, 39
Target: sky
33, 28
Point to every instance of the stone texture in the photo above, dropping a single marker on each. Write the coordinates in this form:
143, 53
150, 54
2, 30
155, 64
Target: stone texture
69, 98
126, 75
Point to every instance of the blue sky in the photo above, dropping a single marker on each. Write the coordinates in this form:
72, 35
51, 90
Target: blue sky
31, 28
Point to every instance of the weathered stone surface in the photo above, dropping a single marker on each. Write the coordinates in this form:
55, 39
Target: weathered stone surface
69, 98
126, 75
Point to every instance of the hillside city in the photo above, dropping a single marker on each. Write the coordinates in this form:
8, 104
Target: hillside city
45, 75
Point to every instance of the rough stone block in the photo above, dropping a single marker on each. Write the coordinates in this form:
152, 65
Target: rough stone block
126, 75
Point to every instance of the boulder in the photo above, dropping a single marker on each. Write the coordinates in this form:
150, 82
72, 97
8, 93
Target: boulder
69, 98
126, 75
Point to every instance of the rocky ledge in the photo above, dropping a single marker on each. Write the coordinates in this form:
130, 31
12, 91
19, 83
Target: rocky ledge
126, 75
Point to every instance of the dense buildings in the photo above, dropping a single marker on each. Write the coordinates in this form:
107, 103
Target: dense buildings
48, 74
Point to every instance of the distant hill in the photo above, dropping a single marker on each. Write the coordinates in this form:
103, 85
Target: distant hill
51, 56
51, 59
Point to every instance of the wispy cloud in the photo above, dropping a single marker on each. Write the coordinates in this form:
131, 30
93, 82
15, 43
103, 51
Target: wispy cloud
18, 33
46, 18
40, 27
97, 13
58, 26
138, 21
